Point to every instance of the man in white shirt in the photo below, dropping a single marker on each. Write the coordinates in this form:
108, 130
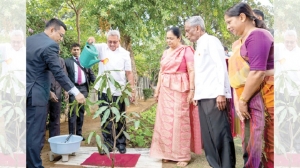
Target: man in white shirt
14, 71
211, 90
118, 59
287, 70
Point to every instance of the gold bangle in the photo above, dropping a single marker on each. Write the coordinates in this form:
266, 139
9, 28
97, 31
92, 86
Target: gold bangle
242, 99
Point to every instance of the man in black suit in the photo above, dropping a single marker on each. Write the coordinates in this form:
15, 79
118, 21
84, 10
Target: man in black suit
42, 57
81, 77
54, 106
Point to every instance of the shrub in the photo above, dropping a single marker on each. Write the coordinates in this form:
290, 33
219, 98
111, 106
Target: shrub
147, 93
142, 136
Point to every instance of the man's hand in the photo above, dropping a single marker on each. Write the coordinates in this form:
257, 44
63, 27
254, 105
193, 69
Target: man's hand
80, 98
132, 97
66, 95
221, 102
91, 40
53, 97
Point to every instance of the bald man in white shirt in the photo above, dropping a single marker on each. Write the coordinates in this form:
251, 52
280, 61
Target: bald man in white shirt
119, 59
211, 90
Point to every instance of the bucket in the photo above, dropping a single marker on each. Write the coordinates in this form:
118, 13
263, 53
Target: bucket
58, 145
88, 56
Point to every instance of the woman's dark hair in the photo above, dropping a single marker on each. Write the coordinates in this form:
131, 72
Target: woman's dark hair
243, 7
175, 31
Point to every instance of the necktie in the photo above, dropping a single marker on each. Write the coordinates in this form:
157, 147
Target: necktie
79, 72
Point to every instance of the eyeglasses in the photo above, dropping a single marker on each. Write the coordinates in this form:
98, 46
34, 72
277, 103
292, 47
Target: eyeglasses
290, 42
61, 35
113, 42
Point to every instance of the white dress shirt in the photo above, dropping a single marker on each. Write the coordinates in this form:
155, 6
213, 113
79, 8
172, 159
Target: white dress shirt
16, 66
83, 79
287, 61
118, 60
211, 76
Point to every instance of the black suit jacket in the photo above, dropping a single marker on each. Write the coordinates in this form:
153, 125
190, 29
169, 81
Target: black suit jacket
54, 85
89, 74
42, 57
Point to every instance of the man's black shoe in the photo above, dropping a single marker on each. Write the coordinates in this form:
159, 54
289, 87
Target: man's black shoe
83, 139
122, 149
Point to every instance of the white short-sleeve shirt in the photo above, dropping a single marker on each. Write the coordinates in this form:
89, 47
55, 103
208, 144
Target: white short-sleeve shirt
118, 60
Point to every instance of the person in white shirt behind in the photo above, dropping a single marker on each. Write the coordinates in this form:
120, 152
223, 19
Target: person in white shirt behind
13, 70
211, 90
118, 59
287, 70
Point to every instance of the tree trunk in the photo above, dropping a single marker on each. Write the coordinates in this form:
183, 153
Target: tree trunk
78, 25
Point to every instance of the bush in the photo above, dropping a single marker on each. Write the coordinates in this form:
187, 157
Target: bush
143, 135
147, 93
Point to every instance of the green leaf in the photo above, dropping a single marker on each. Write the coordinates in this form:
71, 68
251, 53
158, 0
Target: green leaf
105, 117
127, 92
99, 111
98, 140
87, 109
126, 101
136, 124
72, 105
112, 80
279, 109
108, 92
282, 116
9, 116
104, 147
117, 113
4, 110
136, 114
20, 112
293, 112
126, 135
90, 136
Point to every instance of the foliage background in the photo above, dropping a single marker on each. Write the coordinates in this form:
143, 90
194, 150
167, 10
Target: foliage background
142, 23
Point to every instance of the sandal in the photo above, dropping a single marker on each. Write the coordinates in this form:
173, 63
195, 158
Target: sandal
182, 163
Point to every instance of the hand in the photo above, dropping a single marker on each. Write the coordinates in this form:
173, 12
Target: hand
190, 96
91, 40
132, 97
239, 114
156, 96
243, 109
221, 102
66, 95
53, 97
195, 102
80, 98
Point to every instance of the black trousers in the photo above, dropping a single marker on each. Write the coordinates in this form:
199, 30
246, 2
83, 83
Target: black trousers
54, 110
35, 133
76, 122
217, 139
108, 137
